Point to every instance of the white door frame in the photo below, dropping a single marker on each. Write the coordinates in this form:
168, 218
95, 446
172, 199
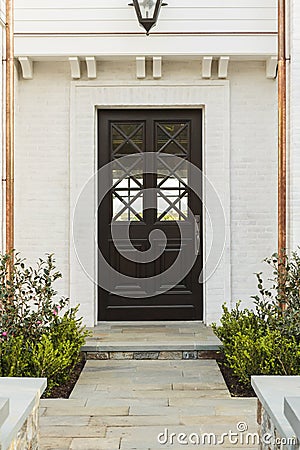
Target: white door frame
86, 99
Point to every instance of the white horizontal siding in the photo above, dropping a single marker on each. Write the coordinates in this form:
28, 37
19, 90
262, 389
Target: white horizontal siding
127, 27
122, 4
90, 14
115, 16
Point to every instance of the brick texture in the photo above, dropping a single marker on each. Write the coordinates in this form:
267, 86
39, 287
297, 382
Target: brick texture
42, 167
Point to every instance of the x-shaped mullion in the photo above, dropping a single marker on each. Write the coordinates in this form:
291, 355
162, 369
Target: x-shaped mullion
127, 138
173, 172
128, 205
127, 173
172, 205
172, 138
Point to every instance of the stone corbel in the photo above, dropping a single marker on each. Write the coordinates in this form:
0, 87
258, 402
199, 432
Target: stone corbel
157, 67
206, 66
91, 67
27, 67
271, 67
140, 67
75, 67
223, 67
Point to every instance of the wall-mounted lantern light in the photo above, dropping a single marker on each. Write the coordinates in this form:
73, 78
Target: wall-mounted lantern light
147, 12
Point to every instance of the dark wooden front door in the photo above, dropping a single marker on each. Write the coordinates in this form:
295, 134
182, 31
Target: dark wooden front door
165, 216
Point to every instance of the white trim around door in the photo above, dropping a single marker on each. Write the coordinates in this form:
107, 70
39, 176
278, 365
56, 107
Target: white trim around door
86, 98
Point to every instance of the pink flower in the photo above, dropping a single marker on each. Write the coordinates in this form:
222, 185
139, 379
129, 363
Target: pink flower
39, 322
54, 312
4, 333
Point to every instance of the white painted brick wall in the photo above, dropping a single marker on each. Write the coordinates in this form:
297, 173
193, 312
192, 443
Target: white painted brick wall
1, 138
294, 216
2, 39
253, 174
42, 166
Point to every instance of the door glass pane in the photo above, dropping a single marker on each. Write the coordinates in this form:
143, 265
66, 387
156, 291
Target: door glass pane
127, 176
127, 206
172, 177
127, 138
172, 138
173, 194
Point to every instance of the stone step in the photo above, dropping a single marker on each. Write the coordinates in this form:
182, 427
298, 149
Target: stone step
151, 340
92, 352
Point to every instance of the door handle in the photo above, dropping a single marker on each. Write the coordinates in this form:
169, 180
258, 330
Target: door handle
197, 233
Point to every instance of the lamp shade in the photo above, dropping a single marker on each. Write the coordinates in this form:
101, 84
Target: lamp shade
147, 8
147, 12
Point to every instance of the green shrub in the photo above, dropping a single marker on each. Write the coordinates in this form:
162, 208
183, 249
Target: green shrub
39, 336
265, 340
268, 301
244, 321
51, 360
264, 354
13, 360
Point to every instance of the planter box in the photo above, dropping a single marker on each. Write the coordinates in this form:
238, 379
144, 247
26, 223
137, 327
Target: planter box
19, 403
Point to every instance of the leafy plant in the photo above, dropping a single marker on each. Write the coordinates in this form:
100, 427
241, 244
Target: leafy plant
263, 354
269, 300
232, 322
39, 335
266, 339
28, 302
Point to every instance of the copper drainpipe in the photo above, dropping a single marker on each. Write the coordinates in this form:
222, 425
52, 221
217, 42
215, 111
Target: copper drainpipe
9, 161
281, 142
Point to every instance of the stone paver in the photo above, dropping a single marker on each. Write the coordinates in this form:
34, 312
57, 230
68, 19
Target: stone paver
121, 404
75, 431
63, 410
64, 421
150, 337
50, 443
95, 444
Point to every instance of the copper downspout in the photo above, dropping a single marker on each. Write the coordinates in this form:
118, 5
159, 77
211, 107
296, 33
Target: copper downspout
281, 143
9, 126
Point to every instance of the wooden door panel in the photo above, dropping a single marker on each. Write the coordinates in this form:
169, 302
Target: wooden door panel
171, 132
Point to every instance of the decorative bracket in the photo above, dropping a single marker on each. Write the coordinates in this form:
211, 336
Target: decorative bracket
223, 67
75, 67
27, 67
271, 67
206, 66
157, 67
91, 67
141, 67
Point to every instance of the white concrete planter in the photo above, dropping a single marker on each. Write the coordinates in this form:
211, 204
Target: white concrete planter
277, 413
19, 403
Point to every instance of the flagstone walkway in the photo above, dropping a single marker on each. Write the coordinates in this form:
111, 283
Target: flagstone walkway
128, 404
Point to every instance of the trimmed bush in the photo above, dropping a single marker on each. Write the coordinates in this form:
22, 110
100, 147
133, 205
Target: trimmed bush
39, 335
265, 340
